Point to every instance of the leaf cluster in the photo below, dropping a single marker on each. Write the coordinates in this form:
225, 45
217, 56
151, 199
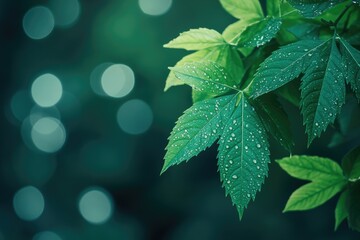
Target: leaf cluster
302, 51
327, 179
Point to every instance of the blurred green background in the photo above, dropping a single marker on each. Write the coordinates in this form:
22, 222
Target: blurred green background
85, 122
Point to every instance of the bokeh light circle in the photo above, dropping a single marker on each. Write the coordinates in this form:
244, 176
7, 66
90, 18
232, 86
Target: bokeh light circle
46, 90
38, 22
117, 80
46, 235
135, 117
96, 205
66, 12
28, 203
155, 7
48, 134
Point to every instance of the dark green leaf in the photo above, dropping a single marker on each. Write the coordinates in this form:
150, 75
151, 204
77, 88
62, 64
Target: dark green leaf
197, 39
243, 155
322, 90
341, 210
351, 66
198, 129
260, 32
313, 8
243, 9
311, 168
354, 207
207, 77
351, 164
275, 120
314, 194
290, 92
284, 65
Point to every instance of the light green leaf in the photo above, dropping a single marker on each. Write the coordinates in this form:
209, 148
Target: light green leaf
259, 33
206, 77
275, 120
322, 90
243, 9
314, 194
284, 65
198, 129
311, 168
341, 210
351, 65
313, 8
351, 164
243, 155
197, 39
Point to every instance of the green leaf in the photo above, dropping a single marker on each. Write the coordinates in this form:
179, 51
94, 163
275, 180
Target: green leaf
341, 210
197, 39
275, 120
351, 164
201, 55
284, 65
243, 155
198, 129
305, 30
233, 32
274, 8
259, 33
243, 9
206, 77
224, 55
351, 65
311, 168
322, 90
313, 8
314, 194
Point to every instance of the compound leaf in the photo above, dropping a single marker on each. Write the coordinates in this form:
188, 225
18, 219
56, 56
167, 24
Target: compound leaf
198, 129
314, 194
322, 90
243, 155
197, 39
243, 9
283, 66
311, 168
